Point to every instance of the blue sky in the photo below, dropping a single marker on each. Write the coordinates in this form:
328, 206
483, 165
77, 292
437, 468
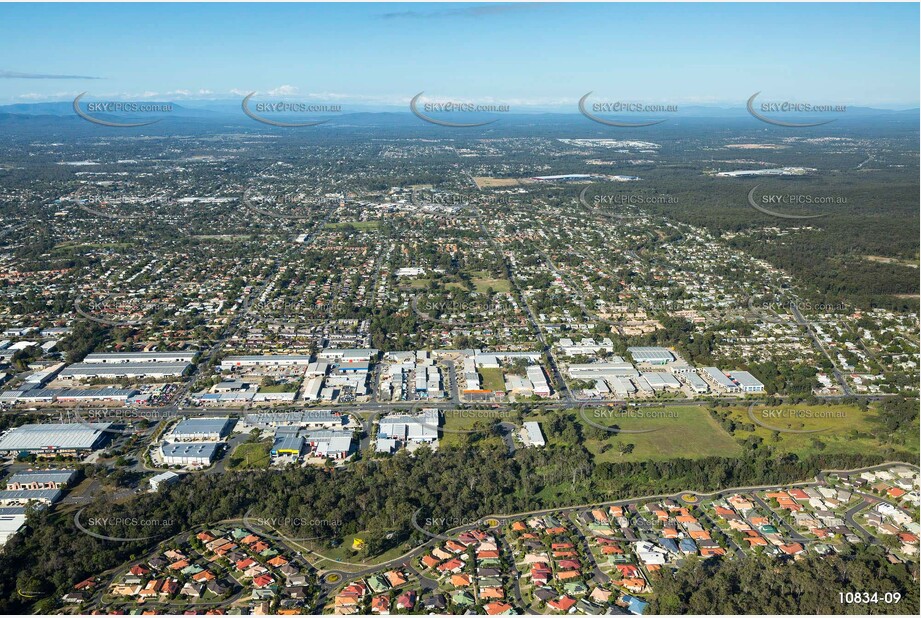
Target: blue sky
525, 54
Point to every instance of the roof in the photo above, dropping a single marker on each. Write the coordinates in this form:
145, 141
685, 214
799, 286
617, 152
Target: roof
191, 449
35, 437
120, 369
220, 425
289, 443
643, 354
47, 495
746, 380
42, 476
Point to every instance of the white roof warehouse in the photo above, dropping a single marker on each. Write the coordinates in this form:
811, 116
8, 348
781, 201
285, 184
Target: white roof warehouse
55, 438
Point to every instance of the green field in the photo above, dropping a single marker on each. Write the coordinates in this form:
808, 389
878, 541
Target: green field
455, 423
492, 379
679, 431
358, 225
251, 455
841, 429
482, 282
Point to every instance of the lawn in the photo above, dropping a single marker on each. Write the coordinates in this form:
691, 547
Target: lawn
458, 422
482, 284
492, 379
358, 225
844, 428
251, 455
679, 431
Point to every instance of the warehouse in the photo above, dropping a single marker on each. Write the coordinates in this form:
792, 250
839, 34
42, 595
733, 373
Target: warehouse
717, 378
22, 497
419, 428
661, 381
534, 435
69, 439
618, 368
651, 355
304, 418
348, 355
88, 371
209, 429
41, 479
140, 357
267, 360
697, 384
747, 382
194, 454
538, 381
288, 444
329, 443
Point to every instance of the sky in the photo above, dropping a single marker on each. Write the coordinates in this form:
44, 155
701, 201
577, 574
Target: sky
521, 54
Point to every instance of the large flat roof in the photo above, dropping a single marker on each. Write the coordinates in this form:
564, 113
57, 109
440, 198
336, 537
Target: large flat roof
220, 425
53, 436
191, 449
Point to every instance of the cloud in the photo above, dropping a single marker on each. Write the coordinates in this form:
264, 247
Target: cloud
4, 74
481, 10
281, 91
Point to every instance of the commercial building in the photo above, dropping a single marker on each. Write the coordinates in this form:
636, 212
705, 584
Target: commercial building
617, 368
69, 439
140, 357
23, 497
348, 355
534, 435
419, 428
585, 347
202, 429
190, 453
697, 384
88, 371
11, 520
661, 381
304, 418
538, 381
288, 444
41, 479
719, 379
329, 443
162, 480
747, 382
268, 360
651, 355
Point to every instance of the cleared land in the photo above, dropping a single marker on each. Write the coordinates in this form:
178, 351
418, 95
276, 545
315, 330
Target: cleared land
251, 455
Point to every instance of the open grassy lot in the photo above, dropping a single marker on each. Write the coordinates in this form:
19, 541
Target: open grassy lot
358, 225
251, 455
834, 428
482, 284
678, 431
456, 423
493, 379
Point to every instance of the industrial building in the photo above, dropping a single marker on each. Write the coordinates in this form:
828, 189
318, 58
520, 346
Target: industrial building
41, 479
190, 453
747, 382
88, 371
304, 418
651, 355
140, 357
538, 381
68, 439
533, 433
209, 429
267, 360
162, 480
719, 379
411, 429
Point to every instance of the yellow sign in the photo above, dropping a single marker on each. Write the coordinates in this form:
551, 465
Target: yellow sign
357, 543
